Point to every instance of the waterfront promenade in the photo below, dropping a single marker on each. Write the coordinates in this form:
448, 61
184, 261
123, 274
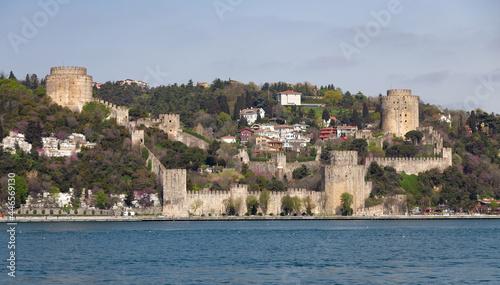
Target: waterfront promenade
28, 219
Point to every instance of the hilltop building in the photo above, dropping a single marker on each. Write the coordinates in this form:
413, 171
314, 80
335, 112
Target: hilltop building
251, 114
289, 97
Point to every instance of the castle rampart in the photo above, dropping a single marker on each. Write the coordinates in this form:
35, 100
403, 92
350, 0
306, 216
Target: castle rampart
69, 86
414, 165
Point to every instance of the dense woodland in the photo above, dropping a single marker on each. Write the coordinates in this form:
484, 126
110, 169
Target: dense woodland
113, 167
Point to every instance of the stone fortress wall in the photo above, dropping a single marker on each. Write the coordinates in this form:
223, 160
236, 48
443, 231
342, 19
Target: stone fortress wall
399, 111
69, 86
72, 87
414, 165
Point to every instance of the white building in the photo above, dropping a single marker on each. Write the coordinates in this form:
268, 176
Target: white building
251, 114
228, 139
289, 98
131, 81
51, 145
9, 142
346, 131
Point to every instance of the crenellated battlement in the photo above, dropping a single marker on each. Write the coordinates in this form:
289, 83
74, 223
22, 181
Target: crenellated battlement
399, 92
68, 70
414, 165
344, 157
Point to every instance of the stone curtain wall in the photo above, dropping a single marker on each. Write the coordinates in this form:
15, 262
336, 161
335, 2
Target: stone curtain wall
213, 201
415, 165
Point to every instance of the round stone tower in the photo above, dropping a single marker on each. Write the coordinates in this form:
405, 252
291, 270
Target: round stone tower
399, 111
69, 86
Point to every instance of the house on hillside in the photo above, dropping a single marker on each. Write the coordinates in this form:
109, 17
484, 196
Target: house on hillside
283, 130
251, 114
331, 121
289, 97
327, 133
346, 131
300, 127
228, 139
245, 135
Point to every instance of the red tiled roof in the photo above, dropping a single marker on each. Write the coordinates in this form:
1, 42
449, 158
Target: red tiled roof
289, 92
251, 109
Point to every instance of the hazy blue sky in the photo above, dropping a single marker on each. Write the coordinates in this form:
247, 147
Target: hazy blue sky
447, 52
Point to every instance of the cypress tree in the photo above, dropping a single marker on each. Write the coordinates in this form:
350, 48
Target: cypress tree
11, 76
366, 113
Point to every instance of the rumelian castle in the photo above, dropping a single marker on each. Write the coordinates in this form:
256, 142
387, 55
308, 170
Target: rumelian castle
71, 87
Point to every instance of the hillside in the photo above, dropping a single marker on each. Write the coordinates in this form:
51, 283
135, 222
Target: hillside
113, 167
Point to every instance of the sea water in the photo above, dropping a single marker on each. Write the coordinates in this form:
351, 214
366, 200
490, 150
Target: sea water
256, 252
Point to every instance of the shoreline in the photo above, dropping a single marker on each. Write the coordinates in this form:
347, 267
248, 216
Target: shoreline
47, 219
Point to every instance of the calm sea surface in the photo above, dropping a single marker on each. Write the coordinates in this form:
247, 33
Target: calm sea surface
270, 252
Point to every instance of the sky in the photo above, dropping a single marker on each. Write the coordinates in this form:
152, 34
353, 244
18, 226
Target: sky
447, 52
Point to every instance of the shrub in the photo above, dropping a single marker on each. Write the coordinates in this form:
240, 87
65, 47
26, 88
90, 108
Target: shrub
85, 212
145, 153
93, 212
27, 212
76, 212
51, 212
34, 212
60, 212
43, 212
195, 134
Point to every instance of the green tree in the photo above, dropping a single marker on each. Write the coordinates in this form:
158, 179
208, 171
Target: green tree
300, 172
238, 106
101, 199
287, 204
297, 204
332, 97
309, 205
356, 120
366, 114
21, 191
34, 135
222, 118
1, 131
401, 150
12, 76
346, 200
264, 199
252, 204
326, 115
414, 136
494, 205
276, 185
196, 205
311, 114
54, 193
